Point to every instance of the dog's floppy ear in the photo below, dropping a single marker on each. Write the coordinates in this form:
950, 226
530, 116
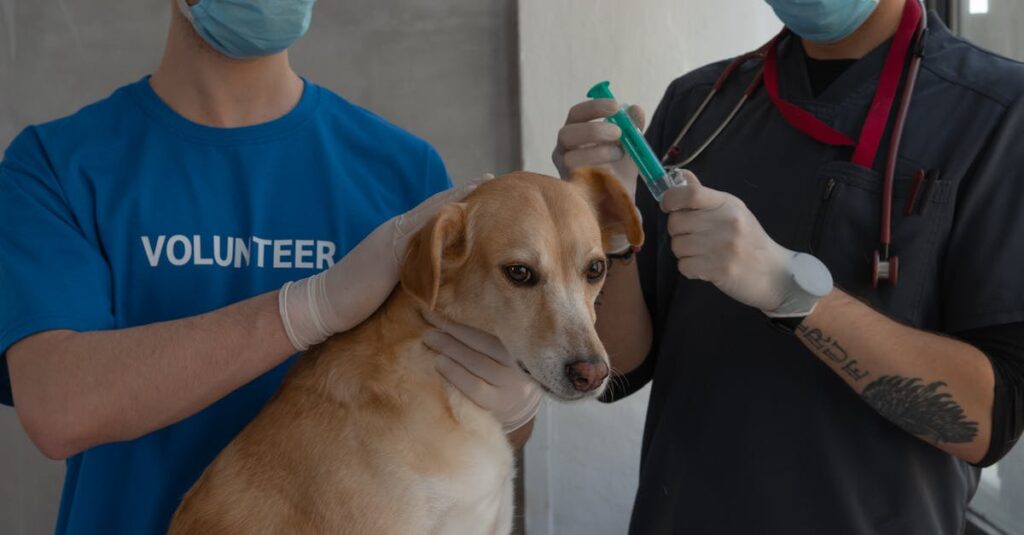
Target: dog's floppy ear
441, 243
616, 213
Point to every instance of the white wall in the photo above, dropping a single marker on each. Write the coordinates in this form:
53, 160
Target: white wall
581, 465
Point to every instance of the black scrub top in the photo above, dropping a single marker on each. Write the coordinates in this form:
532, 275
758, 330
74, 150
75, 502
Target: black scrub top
747, 431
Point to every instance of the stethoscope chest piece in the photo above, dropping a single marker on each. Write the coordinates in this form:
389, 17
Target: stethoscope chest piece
885, 270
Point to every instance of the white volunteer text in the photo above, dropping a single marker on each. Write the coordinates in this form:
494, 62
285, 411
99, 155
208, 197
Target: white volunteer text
228, 251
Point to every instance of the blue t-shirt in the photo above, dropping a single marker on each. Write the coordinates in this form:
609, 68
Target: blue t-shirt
126, 213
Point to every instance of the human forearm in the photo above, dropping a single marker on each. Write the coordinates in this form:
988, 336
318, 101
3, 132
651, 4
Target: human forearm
75, 390
936, 388
623, 321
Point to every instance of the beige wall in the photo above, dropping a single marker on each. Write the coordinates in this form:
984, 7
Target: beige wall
581, 465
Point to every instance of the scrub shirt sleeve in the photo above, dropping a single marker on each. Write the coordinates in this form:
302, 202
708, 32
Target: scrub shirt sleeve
51, 275
982, 283
648, 259
1004, 347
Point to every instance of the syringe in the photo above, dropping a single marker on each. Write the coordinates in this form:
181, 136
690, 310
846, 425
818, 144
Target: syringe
658, 180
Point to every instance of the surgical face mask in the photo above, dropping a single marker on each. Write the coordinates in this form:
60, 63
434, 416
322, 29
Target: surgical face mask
249, 28
824, 21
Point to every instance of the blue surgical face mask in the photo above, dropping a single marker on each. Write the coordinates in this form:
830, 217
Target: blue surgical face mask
824, 21
249, 28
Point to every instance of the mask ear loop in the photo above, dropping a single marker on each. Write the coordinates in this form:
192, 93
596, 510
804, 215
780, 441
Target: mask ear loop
185, 10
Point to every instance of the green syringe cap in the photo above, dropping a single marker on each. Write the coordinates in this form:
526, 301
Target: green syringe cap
600, 90
634, 144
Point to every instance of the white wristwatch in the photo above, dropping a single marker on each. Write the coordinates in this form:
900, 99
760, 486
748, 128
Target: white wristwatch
812, 281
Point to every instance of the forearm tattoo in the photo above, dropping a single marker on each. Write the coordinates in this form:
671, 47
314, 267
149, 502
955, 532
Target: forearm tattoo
921, 409
831, 350
918, 408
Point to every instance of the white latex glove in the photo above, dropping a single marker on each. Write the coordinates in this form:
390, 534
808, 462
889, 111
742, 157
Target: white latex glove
716, 238
341, 297
478, 365
587, 139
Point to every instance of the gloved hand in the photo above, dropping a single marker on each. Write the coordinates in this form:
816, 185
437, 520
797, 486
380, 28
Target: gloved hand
588, 140
716, 238
478, 365
341, 297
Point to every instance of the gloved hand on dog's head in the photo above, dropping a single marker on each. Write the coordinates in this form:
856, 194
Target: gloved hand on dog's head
338, 299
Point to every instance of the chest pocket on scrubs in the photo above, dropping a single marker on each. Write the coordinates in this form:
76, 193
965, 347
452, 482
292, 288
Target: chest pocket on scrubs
846, 235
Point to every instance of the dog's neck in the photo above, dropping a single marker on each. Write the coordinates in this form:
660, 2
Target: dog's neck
403, 313
384, 351
383, 365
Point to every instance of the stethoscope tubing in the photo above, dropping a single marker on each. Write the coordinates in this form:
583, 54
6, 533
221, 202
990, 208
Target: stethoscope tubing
882, 257
897, 136
719, 83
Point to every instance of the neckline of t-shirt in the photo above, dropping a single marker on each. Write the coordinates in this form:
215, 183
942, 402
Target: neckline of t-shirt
156, 108
850, 89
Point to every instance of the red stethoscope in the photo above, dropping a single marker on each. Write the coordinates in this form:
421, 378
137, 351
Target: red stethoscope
912, 29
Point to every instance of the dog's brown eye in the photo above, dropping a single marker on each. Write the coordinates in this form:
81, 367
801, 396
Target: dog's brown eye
520, 274
596, 271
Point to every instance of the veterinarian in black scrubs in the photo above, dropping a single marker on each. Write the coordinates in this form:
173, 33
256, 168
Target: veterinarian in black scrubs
870, 409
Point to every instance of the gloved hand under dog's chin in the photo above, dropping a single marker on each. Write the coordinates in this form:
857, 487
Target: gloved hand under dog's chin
478, 364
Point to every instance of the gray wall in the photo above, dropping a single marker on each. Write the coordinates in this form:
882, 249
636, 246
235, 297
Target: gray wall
443, 69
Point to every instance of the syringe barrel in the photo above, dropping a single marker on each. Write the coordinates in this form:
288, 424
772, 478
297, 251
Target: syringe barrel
633, 141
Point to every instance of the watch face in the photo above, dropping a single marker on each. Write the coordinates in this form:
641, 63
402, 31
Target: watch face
811, 275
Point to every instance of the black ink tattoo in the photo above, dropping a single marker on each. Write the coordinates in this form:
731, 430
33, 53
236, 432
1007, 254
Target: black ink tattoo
852, 370
920, 409
831, 350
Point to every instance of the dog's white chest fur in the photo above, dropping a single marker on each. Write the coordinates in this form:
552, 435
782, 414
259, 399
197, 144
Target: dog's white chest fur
478, 498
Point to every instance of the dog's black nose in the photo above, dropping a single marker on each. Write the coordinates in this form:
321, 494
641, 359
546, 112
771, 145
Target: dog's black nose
586, 374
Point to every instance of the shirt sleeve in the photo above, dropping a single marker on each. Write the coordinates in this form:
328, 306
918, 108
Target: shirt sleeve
51, 275
982, 278
1004, 347
648, 260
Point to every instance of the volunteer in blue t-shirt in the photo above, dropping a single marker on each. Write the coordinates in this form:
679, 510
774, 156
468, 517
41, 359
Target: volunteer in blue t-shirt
143, 240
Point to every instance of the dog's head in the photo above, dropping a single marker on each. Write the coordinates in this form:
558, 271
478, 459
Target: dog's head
523, 258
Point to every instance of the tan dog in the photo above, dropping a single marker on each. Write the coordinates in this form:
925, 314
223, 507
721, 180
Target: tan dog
366, 438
